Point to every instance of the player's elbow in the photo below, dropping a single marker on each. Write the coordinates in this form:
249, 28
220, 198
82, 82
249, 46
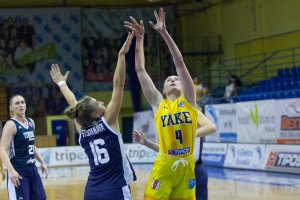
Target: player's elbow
213, 128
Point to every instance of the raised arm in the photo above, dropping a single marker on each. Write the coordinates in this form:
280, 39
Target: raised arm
152, 95
181, 69
113, 108
205, 126
60, 80
141, 139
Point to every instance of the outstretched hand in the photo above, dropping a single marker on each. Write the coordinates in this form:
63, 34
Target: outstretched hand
56, 74
127, 43
137, 28
160, 25
139, 137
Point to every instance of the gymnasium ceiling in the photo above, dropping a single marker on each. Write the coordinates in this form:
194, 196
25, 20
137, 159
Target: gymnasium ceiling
89, 3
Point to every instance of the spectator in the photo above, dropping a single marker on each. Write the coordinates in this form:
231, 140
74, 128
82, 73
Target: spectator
198, 88
237, 82
229, 91
206, 98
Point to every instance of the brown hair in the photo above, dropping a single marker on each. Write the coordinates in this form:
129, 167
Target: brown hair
11, 114
82, 112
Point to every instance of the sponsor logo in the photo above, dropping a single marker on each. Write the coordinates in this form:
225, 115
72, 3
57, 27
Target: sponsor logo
29, 135
254, 115
211, 111
283, 159
46, 156
176, 118
232, 149
179, 151
290, 123
192, 183
272, 159
181, 104
259, 152
30, 161
155, 184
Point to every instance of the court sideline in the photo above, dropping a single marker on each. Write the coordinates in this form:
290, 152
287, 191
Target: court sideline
224, 184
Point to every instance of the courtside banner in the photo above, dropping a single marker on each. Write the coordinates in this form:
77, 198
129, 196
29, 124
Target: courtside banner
256, 121
288, 126
64, 156
75, 155
140, 154
247, 156
144, 121
282, 158
213, 154
224, 117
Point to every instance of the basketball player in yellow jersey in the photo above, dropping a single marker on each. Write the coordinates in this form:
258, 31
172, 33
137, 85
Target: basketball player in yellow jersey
172, 176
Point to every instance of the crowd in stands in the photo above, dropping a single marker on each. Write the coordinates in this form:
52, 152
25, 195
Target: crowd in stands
16, 39
42, 99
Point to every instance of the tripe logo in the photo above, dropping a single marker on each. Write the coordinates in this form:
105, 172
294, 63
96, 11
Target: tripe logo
46, 156
254, 115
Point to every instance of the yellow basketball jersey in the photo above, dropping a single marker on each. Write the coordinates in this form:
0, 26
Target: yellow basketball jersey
176, 123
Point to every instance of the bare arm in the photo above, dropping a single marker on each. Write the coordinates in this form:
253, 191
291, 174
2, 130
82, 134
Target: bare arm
152, 95
9, 130
113, 108
38, 157
205, 126
181, 69
57, 77
141, 139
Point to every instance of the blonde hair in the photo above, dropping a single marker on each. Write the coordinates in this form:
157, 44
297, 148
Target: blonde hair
82, 112
11, 113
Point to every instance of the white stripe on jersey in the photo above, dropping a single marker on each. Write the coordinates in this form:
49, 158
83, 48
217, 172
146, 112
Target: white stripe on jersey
126, 193
12, 195
128, 174
11, 149
197, 149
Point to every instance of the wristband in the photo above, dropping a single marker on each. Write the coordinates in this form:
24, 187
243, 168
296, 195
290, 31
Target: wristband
61, 83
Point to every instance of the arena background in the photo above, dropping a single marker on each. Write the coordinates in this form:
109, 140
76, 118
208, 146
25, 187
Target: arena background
258, 40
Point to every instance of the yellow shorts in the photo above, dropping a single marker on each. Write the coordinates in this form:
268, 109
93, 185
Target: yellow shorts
171, 178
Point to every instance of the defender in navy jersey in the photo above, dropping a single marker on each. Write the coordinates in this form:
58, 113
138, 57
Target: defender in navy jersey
205, 127
98, 126
18, 152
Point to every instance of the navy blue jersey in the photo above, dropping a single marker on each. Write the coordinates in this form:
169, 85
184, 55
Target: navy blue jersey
109, 166
21, 150
198, 150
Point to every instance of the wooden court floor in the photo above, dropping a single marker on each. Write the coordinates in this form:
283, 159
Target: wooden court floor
68, 184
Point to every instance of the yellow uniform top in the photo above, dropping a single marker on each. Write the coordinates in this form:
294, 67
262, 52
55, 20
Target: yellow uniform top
176, 123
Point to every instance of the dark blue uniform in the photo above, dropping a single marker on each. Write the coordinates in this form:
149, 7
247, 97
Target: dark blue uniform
200, 172
21, 154
110, 170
